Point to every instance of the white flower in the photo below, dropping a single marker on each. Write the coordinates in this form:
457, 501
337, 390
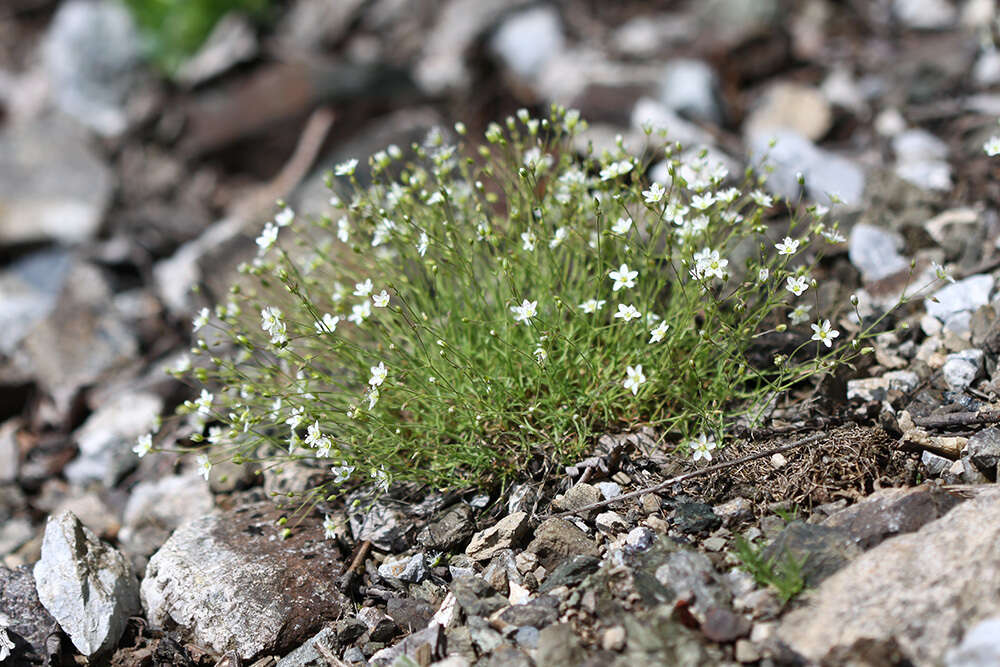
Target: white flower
801, 314
819, 210
623, 278
823, 333
559, 237
363, 289
627, 313
295, 417
327, 323
528, 241
381, 478
373, 397
992, 146
833, 236
204, 402
329, 527
701, 447
541, 355
204, 465
435, 198
183, 364
381, 299
796, 285
346, 168
382, 232
343, 230
313, 434
360, 312
763, 275
6, 644
710, 264
727, 196
654, 194
378, 374
634, 378
621, 226
342, 473
267, 238
702, 202
616, 169
143, 445
525, 311
762, 200
788, 247
941, 272
271, 322
201, 320
592, 305
423, 244
657, 334
284, 217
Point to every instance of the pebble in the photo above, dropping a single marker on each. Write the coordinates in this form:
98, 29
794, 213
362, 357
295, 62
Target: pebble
825, 173
613, 639
934, 464
610, 523
509, 532
979, 648
529, 39
983, 450
609, 490
791, 106
875, 252
925, 14
961, 369
691, 88
968, 294
412, 569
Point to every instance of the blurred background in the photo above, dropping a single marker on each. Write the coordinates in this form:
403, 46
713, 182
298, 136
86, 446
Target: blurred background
143, 144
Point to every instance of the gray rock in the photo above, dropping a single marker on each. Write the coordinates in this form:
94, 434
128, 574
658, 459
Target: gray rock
576, 497
87, 586
968, 294
610, 523
538, 613
226, 476
310, 25
876, 389
229, 582
609, 490
30, 288
309, 655
875, 252
734, 511
559, 645
688, 574
106, 439
476, 597
934, 463
791, 106
986, 71
822, 550
926, 174
90, 54
521, 499
450, 532
901, 590
694, 517
655, 638
890, 512
381, 628
557, 539
10, 450
29, 622
984, 451
502, 570
411, 569
13, 534
723, 626
52, 185
963, 368
509, 532
384, 525
428, 643
527, 40
651, 112
691, 88
825, 173
925, 14
979, 648
156, 507
570, 572
410, 614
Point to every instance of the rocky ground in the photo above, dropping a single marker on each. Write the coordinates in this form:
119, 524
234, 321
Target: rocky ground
874, 489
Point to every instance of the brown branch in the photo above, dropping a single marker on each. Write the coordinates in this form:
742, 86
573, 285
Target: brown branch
958, 419
688, 475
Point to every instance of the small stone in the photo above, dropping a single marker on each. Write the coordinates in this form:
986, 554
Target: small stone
559, 646
745, 651
610, 522
650, 503
691, 88
449, 532
641, 538
385, 526
507, 533
527, 636
29, 623
984, 451
890, 512
792, 106
537, 613
778, 461
875, 252
309, 655
570, 572
609, 490
424, 645
476, 597
156, 507
411, 569
734, 511
968, 294
934, 464
961, 369
714, 543
557, 539
577, 497
529, 39
613, 639
694, 517
723, 626
925, 14
979, 648
381, 628
87, 586
825, 173
821, 550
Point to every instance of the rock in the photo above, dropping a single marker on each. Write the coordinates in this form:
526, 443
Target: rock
610, 523
875, 252
410, 614
232, 41
986, 71
483, 636
570, 572
309, 655
890, 512
423, 646
106, 439
925, 14
476, 597
791, 106
526, 40
557, 539
93, 512
411, 569
559, 645
52, 186
384, 525
521, 499
822, 550
734, 511
229, 582
655, 638
825, 173
691, 88
689, 575
934, 464
609, 490
613, 639
961, 369
926, 174
579, 495
226, 476
979, 648
900, 589
90, 54
156, 507
30, 623
917, 144
723, 626
964, 295
509, 532
310, 25
381, 628
653, 113
693, 517
87, 586
450, 532
13, 534
30, 287
877, 389
984, 451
